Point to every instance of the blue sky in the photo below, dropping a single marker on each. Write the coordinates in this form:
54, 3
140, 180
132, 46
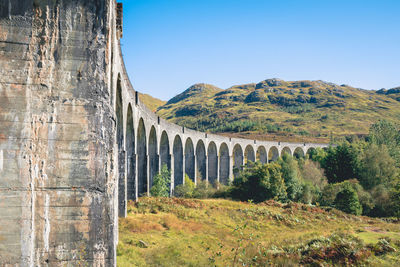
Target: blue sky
169, 45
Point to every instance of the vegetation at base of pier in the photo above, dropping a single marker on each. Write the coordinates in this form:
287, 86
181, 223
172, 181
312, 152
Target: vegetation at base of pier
309, 111
219, 232
161, 183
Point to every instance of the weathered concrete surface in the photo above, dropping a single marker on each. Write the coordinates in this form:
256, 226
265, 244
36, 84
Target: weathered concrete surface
75, 141
57, 128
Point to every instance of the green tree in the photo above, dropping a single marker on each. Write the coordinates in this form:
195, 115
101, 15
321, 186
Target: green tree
312, 172
309, 193
382, 199
330, 192
386, 133
328, 195
161, 183
342, 162
347, 200
277, 183
259, 183
317, 154
377, 166
186, 189
395, 200
314, 181
291, 175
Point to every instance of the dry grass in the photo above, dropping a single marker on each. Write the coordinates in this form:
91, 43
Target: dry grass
139, 224
182, 232
171, 222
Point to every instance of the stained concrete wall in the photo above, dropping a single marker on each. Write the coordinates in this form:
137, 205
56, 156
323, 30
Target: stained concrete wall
57, 132
75, 141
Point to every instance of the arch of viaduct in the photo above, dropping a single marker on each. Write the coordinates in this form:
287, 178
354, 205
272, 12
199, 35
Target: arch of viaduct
146, 142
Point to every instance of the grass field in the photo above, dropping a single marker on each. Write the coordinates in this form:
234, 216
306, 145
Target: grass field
182, 232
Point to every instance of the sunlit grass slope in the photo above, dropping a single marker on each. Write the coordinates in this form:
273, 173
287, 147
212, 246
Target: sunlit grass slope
151, 102
178, 232
277, 109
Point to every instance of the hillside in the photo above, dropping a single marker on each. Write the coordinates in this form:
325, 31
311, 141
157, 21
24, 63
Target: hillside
183, 232
151, 102
276, 109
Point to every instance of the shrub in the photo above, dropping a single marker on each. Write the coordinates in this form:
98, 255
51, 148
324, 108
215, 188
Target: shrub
347, 200
259, 183
383, 247
364, 197
337, 249
161, 183
308, 193
291, 175
382, 200
186, 189
330, 192
328, 195
203, 190
222, 191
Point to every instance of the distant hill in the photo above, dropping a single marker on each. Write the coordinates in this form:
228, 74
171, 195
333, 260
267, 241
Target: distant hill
151, 102
285, 110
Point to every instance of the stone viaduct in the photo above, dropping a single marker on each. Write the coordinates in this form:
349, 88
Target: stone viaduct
76, 143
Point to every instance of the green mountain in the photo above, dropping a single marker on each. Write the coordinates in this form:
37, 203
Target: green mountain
285, 110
